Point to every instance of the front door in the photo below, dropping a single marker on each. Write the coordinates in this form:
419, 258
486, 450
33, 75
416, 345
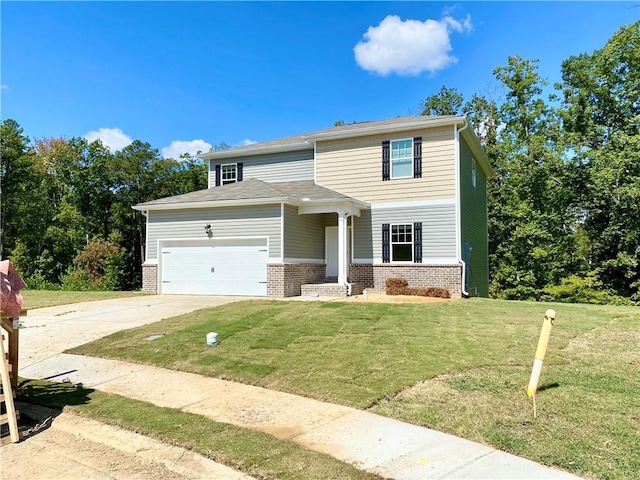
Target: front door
331, 249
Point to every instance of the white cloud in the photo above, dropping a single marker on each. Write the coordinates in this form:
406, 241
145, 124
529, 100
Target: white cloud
247, 141
409, 47
178, 147
114, 138
4, 87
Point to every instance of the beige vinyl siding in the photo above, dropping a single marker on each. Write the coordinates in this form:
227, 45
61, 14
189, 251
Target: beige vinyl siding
473, 209
353, 166
275, 167
438, 231
251, 221
303, 235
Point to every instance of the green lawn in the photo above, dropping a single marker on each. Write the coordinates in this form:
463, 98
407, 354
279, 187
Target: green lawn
459, 367
49, 298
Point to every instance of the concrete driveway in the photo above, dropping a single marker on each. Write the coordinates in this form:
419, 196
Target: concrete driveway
46, 332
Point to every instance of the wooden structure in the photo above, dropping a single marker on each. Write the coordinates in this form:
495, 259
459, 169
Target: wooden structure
9, 376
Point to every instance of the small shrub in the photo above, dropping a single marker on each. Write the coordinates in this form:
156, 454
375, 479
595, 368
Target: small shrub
399, 286
396, 283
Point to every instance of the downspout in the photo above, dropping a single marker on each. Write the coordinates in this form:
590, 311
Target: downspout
459, 206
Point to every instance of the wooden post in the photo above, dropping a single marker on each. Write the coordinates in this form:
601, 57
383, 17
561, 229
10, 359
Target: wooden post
11, 417
12, 327
543, 342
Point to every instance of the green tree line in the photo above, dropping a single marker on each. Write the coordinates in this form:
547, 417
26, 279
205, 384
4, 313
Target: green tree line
564, 204
66, 213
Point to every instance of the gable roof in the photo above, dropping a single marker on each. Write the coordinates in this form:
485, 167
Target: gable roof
306, 141
251, 192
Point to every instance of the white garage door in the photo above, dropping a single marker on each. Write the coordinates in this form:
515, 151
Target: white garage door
215, 267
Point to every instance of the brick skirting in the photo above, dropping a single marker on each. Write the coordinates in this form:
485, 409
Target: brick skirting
285, 279
373, 277
150, 278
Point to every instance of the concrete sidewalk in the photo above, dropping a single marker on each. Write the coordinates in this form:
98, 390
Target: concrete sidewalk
378, 444
382, 445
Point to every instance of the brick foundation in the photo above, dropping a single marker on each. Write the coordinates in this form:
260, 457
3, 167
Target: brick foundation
373, 277
286, 279
150, 278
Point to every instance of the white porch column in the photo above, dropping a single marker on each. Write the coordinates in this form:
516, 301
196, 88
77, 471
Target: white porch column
342, 247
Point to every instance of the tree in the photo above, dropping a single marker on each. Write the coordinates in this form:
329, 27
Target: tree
530, 208
446, 102
18, 179
601, 117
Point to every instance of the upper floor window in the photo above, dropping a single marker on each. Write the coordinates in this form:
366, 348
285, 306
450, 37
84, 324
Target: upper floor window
229, 173
402, 158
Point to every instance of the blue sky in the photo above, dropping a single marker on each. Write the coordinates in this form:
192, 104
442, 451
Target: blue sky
200, 73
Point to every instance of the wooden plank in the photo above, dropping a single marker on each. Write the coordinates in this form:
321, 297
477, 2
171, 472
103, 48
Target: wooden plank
14, 345
5, 381
4, 418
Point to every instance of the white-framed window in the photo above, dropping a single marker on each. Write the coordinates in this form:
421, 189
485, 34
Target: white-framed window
402, 243
402, 158
473, 171
229, 173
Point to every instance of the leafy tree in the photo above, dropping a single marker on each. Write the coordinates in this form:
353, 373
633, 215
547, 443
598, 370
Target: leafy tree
601, 118
448, 101
531, 211
18, 180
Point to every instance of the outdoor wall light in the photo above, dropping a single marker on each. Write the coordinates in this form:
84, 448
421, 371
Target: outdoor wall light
207, 228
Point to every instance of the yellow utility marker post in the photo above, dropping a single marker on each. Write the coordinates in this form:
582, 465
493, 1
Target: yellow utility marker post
549, 318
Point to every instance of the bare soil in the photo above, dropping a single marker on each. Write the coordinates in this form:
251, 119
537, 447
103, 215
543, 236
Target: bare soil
63, 445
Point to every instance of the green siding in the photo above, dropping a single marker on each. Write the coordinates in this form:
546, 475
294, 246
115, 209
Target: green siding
473, 205
303, 235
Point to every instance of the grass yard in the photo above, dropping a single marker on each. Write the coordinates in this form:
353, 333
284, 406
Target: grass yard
459, 367
49, 298
255, 453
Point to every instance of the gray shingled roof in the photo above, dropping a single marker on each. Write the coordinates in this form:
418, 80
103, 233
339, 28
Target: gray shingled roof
253, 189
302, 138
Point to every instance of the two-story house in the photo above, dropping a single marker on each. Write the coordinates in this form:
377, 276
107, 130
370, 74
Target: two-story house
332, 211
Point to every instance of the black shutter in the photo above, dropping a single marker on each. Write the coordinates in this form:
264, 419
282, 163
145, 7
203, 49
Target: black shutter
417, 242
386, 160
417, 157
239, 172
386, 244
218, 175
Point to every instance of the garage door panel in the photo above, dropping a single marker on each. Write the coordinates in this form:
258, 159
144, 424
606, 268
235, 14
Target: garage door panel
208, 268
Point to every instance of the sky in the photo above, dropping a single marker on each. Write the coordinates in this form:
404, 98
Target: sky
186, 76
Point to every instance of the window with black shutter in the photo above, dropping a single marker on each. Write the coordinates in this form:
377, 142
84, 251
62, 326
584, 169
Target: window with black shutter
417, 157
417, 242
386, 244
239, 172
218, 179
386, 160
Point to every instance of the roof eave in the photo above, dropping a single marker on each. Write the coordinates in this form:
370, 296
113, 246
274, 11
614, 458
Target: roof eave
210, 204
245, 152
390, 128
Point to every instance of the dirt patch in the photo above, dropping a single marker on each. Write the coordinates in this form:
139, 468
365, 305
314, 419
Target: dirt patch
64, 445
384, 298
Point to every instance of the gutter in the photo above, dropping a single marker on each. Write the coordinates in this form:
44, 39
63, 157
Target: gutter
459, 207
